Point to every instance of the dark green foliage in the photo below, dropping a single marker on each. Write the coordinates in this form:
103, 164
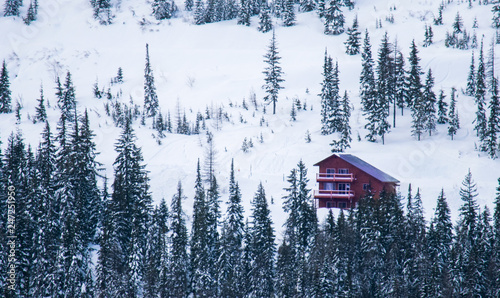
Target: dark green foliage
439, 19
480, 98
491, 139
429, 107
442, 109
244, 13
150, 97
496, 15
428, 36
334, 18
471, 79
67, 99
367, 88
41, 112
163, 9
11, 7
102, 11
273, 74
330, 98
265, 21
345, 127
353, 43
32, 13
288, 14
5, 98
385, 87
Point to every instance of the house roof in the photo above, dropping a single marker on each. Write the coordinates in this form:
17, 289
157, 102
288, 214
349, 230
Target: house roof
365, 167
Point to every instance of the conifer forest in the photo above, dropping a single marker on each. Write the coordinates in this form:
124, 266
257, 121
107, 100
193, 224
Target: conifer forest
168, 148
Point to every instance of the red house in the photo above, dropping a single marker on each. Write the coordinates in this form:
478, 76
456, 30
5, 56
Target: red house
343, 179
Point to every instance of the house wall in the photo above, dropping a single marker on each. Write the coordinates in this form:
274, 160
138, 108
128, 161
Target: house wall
360, 178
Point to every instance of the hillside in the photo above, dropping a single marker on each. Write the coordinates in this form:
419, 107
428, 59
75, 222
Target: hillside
220, 65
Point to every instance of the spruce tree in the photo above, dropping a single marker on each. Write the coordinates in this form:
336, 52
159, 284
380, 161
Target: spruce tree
273, 74
353, 43
244, 13
41, 113
334, 18
345, 127
288, 14
11, 7
385, 86
188, 5
471, 79
453, 120
429, 98
163, 9
67, 99
307, 5
150, 97
367, 88
439, 19
262, 247
480, 121
231, 267
327, 95
413, 81
440, 238
5, 98
265, 21
32, 13
102, 11
399, 82
178, 267
496, 240
496, 15
491, 139
428, 36
442, 112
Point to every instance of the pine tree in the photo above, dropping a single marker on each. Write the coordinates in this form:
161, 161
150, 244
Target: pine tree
131, 204
102, 11
399, 82
496, 15
466, 269
458, 25
367, 89
414, 84
307, 5
11, 8
67, 100
178, 267
480, 121
231, 267
32, 12
428, 36
385, 85
353, 43
453, 119
439, 19
163, 9
188, 5
442, 109
288, 14
262, 247
429, 104
273, 74
496, 240
244, 13
440, 238
491, 139
201, 279
334, 19
41, 113
5, 99
345, 127
330, 99
150, 97
265, 22
471, 79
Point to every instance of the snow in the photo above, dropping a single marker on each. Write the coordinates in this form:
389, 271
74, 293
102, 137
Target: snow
221, 64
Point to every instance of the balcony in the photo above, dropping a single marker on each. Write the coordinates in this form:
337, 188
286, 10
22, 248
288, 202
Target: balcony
330, 177
333, 194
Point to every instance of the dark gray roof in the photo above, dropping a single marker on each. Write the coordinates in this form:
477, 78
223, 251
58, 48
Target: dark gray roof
368, 168
365, 167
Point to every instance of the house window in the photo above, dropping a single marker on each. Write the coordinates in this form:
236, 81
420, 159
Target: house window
343, 171
344, 188
343, 205
330, 171
329, 186
330, 204
366, 186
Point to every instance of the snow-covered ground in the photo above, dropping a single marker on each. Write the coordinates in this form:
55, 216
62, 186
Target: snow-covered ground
221, 64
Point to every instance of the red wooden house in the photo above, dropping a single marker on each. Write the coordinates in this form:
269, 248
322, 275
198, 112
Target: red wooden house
343, 179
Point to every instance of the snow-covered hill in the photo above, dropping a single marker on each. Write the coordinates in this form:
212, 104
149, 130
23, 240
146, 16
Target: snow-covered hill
220, 65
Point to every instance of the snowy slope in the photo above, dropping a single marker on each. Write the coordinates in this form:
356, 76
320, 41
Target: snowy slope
221, 64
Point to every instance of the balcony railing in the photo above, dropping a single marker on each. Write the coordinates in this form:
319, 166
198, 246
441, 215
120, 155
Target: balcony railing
335, 177
333, 194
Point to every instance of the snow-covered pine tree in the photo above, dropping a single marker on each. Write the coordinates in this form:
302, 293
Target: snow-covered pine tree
244, 13
178, 268
440, 239
262, 247
11, 7
163, 9
491, 139
32, 13
5, 98
41, 112
453, 120
326, 95
231, 266
307, 5
349, 4
458, 24
399, 82
202, 282
273, 74
385, 78
345, 127
367, 88
265, 21
102, 11
413, 81
150, 97
188, 5
428, 36
480, 121
334, 18
496, 15
429, 98
442, 112
199, 12
288, 14
67, 100
466, 270
353, 43
439, 19
471, 79
490, 65
496, 239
